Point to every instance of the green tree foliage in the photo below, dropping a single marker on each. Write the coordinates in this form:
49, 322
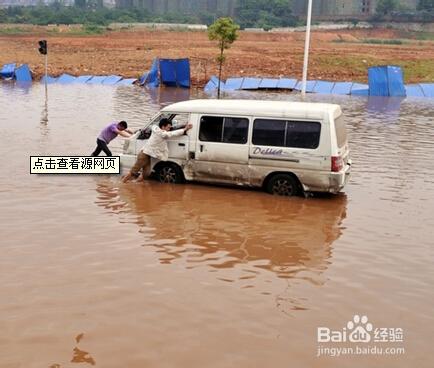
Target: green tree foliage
89, 12
224, 31
248, 13
264, 13
384, 7
427, 5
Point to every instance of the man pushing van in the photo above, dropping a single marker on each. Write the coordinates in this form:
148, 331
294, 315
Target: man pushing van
109, 133
155, 147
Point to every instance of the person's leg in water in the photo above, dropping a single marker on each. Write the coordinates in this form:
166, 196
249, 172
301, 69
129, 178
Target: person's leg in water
146, 169
101, 146
141, 161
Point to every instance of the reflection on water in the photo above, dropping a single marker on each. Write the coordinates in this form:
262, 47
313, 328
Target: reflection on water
223, 228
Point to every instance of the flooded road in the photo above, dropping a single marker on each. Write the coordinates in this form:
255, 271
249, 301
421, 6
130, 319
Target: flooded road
98, 273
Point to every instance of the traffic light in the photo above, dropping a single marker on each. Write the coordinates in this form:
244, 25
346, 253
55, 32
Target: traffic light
43, 48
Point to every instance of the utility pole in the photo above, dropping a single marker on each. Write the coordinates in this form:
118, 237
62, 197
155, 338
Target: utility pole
43, 50
306, 49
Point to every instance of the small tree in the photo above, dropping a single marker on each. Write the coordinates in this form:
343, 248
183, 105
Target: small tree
223, 30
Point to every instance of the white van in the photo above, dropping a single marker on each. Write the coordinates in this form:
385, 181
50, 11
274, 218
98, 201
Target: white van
284, 147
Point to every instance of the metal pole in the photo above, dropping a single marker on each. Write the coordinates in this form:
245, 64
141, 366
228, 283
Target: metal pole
45, 114
306, 48
46, 71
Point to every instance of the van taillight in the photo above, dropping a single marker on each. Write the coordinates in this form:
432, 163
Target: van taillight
337, 163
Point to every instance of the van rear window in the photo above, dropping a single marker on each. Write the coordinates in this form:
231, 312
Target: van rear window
341, 131
284, 133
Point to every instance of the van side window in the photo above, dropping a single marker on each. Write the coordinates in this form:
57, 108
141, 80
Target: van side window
235, 130
282, 133
302, 134
268, 132
223, 129
211, 129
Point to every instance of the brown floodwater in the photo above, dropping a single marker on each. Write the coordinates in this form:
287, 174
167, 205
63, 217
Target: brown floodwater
98, 273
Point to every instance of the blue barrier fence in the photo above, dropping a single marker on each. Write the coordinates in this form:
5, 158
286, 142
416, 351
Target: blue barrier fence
318, 86
22, 74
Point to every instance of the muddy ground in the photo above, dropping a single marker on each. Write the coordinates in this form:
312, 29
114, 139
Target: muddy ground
335, 55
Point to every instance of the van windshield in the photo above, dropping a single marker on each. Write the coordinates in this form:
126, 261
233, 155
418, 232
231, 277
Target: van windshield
341, 131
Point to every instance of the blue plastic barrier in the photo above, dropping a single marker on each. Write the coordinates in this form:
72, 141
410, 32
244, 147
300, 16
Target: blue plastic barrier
111, 79
268, 83
386, 81
378, 84
66, 79
213, 83
182, 68
360, 92
342, 88
82, 78
168, 72
251, 83
8, 70
233, 84
310, 85
126, 82
175, 72
143, 78
414, 90
286, 83
50, 79
98, 79
395, 81
323, 87
360, 89
151, 78
22, 74
210, 86
428, 89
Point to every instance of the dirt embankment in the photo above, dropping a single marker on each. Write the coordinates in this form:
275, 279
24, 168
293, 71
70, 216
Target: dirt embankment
335, 55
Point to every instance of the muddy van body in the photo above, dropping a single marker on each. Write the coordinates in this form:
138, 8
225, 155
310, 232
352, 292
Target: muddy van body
284, 147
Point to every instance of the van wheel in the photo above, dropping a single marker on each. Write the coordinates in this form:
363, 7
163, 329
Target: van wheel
283, 184
169, 173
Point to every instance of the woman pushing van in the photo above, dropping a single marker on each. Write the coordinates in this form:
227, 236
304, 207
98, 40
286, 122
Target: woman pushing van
155, 147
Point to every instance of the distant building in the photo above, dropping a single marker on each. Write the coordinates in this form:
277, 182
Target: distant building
226, 7
333, 9
6, 3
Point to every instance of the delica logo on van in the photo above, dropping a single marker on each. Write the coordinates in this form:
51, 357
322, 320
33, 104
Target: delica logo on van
268, 151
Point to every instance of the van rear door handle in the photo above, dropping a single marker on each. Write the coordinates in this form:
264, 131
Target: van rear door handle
181, 144
201, 147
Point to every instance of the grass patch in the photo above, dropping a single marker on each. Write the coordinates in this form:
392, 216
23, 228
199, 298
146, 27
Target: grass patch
418, 70
12, 31
424, 36
379, 41
92, 29
54, 30
86, 30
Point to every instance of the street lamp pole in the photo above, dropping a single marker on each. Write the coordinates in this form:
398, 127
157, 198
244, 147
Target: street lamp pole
306, 48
